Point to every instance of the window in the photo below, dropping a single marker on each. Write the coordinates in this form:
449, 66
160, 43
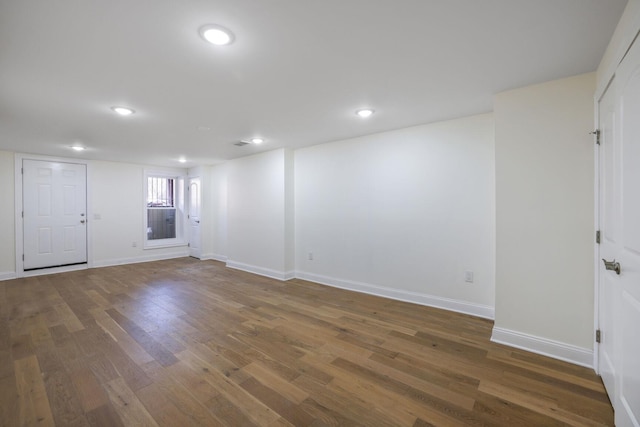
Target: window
163, 208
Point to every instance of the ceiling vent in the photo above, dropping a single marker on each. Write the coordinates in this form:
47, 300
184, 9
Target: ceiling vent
241, 143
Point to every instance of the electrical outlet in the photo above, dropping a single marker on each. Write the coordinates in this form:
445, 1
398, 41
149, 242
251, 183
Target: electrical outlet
310, 256
468, 276
134, 244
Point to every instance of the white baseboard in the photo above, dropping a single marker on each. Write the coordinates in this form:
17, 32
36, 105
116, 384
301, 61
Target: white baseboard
465, 307
546, 347
215, 257
7, 275
274, 274
145, 258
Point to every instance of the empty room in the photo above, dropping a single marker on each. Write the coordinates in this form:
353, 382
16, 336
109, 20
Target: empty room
320, 213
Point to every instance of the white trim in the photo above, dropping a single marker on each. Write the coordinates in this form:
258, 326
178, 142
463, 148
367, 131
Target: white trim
546, 347
215, 257
626, 31
7, 275
165, 245
274, 274
465, 307
136, 260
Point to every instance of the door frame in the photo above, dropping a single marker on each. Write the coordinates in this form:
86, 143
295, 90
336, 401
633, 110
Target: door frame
596, 228
596, 223
19, 223
188, 185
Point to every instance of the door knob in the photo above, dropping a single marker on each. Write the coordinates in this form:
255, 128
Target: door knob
612, 265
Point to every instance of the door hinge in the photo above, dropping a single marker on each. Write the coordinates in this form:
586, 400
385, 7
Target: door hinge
598, 336
597, 134
22, 171
22, 214
22, 257
598, 236
188, 245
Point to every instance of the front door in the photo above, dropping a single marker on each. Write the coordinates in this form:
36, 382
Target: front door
620, 227
54, 201
194, 217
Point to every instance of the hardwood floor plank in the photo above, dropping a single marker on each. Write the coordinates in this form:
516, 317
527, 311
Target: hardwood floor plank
129, 345
9, 405
127, 405
104, 416
68, 317
151, 346
282, 406
92, 395
188, 342
257, 411
542, 405
33, 404
21, 346
277, 383
170, 404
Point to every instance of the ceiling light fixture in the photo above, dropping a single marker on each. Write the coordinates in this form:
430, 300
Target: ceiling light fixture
365, 112
77, 148
182, 160
257, 140
216, 34
123, 111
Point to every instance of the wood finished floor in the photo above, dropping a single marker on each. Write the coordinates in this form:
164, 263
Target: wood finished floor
186, 342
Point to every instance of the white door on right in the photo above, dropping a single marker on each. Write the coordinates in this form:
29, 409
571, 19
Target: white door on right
620, 223
195, 199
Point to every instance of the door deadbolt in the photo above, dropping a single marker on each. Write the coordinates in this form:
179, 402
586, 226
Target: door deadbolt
612, 265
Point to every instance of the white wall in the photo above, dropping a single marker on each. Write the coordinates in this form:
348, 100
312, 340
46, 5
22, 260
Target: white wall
218, 194
7, 216
544, 215
402, 214
257, 238
116, 196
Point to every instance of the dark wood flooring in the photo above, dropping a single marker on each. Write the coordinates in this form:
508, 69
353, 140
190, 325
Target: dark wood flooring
189, 343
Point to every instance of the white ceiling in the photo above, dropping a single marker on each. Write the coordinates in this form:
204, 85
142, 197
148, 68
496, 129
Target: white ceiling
295, 75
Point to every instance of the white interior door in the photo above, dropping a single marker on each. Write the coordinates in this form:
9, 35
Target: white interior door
609, 237
54, 202
620, 222
194, 217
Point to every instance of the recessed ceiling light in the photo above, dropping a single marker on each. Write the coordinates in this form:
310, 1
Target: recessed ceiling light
216, 34
257, 140
77, 148
365, 112
182, 160
204, 128
123, 111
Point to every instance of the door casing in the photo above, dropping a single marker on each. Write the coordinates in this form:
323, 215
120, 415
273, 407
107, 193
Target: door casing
19, 238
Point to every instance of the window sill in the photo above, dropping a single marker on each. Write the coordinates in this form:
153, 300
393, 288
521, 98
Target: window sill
161, 245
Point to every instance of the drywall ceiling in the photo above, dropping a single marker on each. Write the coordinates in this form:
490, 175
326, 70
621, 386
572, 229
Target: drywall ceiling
295, 74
